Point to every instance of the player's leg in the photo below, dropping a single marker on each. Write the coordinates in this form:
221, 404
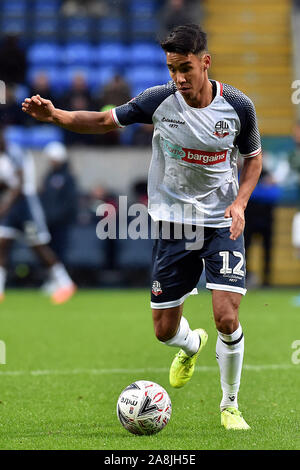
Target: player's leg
5, 247
64, 287
230, 344
225, 275
229, 353
38, 238
173, 329
175, 274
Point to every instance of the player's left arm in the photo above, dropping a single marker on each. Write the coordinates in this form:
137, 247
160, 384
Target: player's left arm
248, 143
248, 179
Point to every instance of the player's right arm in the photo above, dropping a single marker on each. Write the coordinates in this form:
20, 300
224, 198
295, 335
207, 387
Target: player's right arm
82, 122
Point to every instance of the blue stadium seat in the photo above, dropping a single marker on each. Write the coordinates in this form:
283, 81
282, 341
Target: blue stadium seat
84, 248
16, 25
112, 53
46, 7
42, 134
144, 28
77, 26
146, 53
16, 135
112, 28
145, 76
142, 7
36, 136
48, 27
44, 53
14, 7
75, 53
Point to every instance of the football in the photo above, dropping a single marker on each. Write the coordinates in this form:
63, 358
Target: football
144, 407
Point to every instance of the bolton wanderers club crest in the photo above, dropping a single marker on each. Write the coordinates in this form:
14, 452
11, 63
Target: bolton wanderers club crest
221, 129
156, 288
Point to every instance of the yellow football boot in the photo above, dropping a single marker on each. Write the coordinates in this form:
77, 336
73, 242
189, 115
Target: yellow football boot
183, 366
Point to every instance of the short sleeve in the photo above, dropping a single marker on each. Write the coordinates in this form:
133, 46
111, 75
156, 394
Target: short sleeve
141, 108
248, 140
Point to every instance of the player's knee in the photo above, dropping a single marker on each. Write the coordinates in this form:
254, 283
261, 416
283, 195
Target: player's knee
226, 324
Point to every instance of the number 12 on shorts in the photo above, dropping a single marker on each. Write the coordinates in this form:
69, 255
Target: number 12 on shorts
226, 268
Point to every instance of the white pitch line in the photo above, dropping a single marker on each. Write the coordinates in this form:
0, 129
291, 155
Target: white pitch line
249, 367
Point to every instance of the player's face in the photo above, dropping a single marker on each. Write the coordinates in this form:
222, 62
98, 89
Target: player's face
189, 72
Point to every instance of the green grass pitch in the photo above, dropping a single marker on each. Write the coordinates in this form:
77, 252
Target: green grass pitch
66, 366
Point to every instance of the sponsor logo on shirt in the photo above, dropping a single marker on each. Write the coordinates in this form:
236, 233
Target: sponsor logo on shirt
172, 122
200, 157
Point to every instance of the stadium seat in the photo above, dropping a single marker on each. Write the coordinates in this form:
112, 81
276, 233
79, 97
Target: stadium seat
142, 8
146, 53
145, 28
111, 28
45, 27
44, 53
77, 27
144, 76
14, 7
84, 248
46, 7
42, 134
14, 25
112, 53
16, 135
82, 53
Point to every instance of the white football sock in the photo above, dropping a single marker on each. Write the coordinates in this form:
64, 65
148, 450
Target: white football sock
60, 276
185, 338
2, 279
230, 353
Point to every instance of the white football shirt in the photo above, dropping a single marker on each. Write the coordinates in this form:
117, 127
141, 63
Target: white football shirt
193, 174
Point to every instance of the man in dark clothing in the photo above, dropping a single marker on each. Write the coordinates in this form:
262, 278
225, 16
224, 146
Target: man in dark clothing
59, 197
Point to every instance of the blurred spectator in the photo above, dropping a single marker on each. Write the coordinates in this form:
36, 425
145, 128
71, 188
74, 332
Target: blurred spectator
89, 7
259, 219
178, 12
142, 136
140, 192
114, 93
10, 112
294, 156
41, 86
13, 61
59, 197
77, 98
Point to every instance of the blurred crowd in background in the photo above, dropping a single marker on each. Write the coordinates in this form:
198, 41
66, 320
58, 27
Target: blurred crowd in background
95, 55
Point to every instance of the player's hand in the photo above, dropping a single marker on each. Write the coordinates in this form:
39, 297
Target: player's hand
236, 212
39, 108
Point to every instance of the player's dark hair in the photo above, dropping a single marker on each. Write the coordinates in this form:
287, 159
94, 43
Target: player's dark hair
186, 39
